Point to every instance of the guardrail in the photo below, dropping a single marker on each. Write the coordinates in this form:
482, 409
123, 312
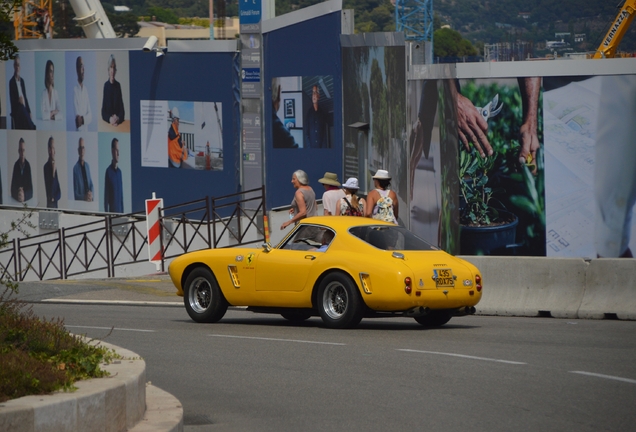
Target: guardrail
114, 241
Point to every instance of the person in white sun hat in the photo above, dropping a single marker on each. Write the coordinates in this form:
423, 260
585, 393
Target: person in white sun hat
350, 204
382, 203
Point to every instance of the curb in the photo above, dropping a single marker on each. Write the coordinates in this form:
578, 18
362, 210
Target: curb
122, 401
164, 412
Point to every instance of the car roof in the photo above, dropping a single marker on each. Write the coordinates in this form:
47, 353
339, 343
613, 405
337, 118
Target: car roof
342, 222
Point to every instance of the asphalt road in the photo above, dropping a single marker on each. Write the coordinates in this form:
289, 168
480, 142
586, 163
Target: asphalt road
260, 373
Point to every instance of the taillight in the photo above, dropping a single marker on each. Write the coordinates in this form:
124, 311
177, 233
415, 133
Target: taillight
478, 283
407, 285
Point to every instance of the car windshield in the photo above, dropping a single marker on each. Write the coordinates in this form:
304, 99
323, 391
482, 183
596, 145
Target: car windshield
391, 238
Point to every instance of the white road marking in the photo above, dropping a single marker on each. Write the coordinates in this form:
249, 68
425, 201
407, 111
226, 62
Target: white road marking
279, 340
113, 302
114, 328
464, 356
627, 380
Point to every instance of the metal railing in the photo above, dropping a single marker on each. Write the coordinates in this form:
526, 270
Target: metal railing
119, 240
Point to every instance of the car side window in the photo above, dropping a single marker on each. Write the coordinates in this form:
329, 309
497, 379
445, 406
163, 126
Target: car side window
306, 237
327, 238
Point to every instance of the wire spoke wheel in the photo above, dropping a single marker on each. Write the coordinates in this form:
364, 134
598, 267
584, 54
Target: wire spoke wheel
339, 302
335, 300
200, 295
203, 299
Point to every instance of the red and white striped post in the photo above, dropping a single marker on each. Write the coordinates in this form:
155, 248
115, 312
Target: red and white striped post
153, 207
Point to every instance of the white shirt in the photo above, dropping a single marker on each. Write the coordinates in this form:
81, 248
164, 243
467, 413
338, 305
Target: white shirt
54, 104
82, 105
18, 82
330, 198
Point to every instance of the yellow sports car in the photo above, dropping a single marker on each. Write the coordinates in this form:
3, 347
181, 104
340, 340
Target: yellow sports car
341, 268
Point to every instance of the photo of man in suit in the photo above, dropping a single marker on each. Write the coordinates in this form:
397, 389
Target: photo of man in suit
51, 181
20, 109
82, 180
21, 183
113, 184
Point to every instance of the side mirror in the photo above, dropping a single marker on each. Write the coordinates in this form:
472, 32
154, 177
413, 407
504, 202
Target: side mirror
267, 247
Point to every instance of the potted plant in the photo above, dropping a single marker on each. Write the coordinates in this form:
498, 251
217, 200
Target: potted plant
486, 227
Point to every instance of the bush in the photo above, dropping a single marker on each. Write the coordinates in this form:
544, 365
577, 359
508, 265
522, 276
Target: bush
39, 356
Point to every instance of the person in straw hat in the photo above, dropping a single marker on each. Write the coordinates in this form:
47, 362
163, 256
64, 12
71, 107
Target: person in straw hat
382, 203
332, 194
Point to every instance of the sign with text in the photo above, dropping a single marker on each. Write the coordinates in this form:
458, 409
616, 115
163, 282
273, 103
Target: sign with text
250, 16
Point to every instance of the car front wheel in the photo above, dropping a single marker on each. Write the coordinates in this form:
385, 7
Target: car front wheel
339, 302
203, 298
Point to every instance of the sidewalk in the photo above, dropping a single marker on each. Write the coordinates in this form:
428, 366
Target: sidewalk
152, 290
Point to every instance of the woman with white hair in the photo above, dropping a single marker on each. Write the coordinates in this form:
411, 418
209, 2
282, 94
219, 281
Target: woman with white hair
112, 103
304, 203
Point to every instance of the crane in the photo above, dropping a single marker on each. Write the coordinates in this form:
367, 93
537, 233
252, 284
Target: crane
619, 27
415, 19
34, 20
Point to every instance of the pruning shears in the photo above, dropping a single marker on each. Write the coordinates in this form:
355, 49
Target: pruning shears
490, 109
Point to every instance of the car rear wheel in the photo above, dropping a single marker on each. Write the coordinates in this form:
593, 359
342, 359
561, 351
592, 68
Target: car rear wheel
434, 319
203, 298
296, 315
339, 302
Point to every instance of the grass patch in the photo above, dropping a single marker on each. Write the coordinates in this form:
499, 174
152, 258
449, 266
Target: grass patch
39, 356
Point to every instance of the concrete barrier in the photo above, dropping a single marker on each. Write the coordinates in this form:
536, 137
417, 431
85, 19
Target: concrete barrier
610, 290
531, 286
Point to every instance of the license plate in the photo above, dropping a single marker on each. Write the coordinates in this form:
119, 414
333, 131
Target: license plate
443, 278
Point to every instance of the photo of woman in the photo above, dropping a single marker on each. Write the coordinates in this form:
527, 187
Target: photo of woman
51, 109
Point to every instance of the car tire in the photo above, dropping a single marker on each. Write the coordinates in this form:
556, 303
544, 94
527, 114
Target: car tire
339, 302
296, 315
434, 319
203, 298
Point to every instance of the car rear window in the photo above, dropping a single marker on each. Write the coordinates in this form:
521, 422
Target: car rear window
391, 238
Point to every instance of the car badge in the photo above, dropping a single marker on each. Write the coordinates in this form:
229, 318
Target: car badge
421, 283
239, 258
250, 257
468, 282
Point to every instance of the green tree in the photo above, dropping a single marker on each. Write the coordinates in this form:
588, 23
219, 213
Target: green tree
124, 24
381, 119
163, 15
437, 22
7, 48
65, 27
449, 43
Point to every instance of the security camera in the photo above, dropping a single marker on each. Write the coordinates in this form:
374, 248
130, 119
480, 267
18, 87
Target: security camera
151, 43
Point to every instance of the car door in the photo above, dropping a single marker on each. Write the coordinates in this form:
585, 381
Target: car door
287, 268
